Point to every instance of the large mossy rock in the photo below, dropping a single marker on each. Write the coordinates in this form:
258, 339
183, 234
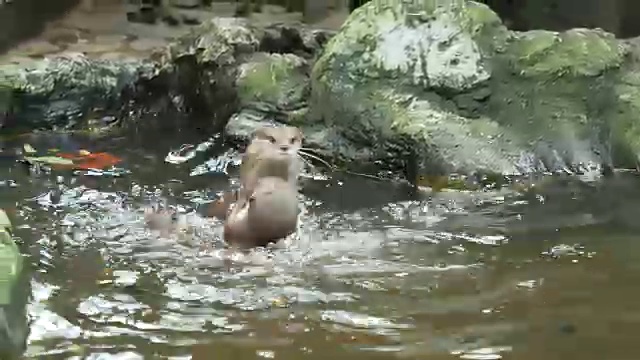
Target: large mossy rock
448, 87
202, 67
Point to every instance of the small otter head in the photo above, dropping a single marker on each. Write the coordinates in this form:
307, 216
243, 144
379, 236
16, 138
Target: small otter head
273, 152
283, 140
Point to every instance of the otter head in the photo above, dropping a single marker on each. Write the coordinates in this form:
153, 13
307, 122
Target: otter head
274, 152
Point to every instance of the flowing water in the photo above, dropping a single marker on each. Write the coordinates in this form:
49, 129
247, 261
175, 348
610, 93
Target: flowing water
375, 271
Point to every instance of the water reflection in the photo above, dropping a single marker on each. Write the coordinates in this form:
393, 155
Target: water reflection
374, 272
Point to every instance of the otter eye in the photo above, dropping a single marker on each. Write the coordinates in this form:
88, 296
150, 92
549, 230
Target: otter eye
272, 139
292, 141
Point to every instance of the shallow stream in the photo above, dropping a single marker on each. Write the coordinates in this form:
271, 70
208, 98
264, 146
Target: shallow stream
375, 271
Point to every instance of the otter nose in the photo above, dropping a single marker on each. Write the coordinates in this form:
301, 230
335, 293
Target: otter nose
284, 147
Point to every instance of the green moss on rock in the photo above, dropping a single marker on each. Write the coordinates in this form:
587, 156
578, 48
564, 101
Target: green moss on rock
273, 80
577, 52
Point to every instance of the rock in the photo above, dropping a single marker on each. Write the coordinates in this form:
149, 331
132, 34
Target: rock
626, 97
448, 88
58, 91
274, 83
253, 71
271, 88
297, 39
220, 68
203, 67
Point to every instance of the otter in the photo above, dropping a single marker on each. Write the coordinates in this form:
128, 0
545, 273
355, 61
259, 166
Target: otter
273, 151
265, 207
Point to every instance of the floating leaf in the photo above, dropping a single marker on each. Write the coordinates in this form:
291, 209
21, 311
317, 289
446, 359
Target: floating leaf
28, 149
92, 160
51, 160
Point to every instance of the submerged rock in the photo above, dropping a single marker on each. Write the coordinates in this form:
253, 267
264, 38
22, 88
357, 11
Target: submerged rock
448, 88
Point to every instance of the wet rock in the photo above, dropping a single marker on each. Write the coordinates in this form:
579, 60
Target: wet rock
273, 83
59, 91
203, 67
448, 88
296, 39
214, 71
229, 69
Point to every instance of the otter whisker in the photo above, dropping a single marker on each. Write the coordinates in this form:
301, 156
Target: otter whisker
312, 156
374, 177
305, 151
307, 162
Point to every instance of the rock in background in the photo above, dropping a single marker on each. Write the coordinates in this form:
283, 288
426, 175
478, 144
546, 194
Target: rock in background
445, 86
428, 87
220, 68
59, 91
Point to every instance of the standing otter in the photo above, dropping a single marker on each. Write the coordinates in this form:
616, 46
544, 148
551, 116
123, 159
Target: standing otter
265, 208
273, 151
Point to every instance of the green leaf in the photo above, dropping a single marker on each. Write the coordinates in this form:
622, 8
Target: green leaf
51, 160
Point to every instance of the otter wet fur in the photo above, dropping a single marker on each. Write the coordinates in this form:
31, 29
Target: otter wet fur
273, 151
267, 215
266, 206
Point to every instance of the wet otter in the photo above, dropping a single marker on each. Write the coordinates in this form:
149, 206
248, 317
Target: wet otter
265, 208
273, 151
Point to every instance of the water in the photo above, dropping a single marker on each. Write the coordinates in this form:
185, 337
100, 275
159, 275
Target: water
375, 273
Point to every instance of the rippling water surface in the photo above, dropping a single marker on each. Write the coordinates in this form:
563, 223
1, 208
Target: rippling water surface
375, 272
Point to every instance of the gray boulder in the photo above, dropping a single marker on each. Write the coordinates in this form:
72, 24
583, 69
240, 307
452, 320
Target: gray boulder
272, 88
448, 88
